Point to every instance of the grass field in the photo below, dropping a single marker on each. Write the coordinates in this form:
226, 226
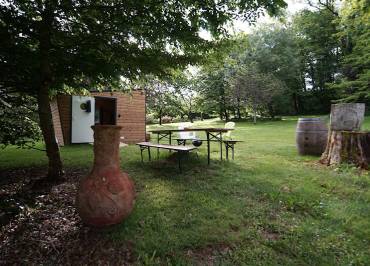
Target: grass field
270, 206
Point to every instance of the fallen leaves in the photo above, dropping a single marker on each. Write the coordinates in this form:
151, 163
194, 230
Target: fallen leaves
46, 228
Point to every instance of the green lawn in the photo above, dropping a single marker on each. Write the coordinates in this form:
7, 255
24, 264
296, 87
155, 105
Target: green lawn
270, 206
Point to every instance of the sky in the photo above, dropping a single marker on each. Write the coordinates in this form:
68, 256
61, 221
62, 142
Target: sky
240, 26
293, 7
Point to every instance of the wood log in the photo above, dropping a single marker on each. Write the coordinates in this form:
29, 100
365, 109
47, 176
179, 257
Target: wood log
347, 147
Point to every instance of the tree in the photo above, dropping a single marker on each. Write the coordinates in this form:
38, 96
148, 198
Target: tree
256, 89
213, 88
185, 90
353, 83
274, 49
49, 45
321, 53
160, 98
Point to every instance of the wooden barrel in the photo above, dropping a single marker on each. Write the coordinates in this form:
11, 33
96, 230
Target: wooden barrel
311, 136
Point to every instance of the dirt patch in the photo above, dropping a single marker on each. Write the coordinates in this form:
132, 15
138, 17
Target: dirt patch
209, 254
46, 228
270, 235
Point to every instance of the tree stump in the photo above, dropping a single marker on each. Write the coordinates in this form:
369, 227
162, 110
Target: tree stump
346, 144
347, 116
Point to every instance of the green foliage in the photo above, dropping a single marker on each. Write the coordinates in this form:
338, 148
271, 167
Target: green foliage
212, 87
317, 43
160, 98
186, 88
320, 54
90, 44
318, 51
18, 121
49, 46
271, 51
354, 82
275, 50
257, 90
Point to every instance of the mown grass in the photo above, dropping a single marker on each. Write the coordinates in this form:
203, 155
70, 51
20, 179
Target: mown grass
270, 206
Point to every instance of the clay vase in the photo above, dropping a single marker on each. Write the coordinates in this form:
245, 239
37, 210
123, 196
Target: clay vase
106, 195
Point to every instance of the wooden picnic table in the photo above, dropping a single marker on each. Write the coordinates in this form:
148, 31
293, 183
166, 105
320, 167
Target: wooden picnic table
213, 134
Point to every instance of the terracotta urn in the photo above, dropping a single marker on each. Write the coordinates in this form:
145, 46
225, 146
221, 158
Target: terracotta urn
106, 195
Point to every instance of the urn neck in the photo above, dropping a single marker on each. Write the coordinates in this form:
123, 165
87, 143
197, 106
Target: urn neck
106, 145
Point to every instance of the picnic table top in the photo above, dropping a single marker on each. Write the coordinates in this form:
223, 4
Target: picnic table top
206, 129
168, 147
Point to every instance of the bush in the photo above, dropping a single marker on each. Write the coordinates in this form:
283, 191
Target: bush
150, 119
18, 120
166, 119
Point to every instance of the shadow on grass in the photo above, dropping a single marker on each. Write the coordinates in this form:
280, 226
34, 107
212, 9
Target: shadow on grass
176, 211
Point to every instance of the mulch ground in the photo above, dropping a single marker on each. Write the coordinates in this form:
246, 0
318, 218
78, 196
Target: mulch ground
39, 224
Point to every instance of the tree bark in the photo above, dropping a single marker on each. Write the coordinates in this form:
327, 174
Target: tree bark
346, 144
55, 169
190, 116
226, 116
238, 109
347, 147
160, 117
254, 114
295, 102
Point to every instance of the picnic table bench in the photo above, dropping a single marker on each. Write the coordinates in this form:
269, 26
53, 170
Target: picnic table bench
229, 144
212, 133
181, 150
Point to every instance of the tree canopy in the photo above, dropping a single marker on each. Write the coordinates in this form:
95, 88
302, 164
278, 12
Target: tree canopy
353, 82
50, 46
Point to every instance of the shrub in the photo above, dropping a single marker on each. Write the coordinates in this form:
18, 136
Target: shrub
166, 119
150, 119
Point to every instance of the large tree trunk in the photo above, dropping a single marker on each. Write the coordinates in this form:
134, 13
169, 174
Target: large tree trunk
346, 144
349, 147
55, 170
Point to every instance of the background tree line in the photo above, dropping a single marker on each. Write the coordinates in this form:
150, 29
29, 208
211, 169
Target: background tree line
297, 65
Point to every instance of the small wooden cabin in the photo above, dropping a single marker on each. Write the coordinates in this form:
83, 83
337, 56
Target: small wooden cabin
74, 115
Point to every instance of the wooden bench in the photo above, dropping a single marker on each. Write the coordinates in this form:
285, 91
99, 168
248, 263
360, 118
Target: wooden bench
181, 150
229, 144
